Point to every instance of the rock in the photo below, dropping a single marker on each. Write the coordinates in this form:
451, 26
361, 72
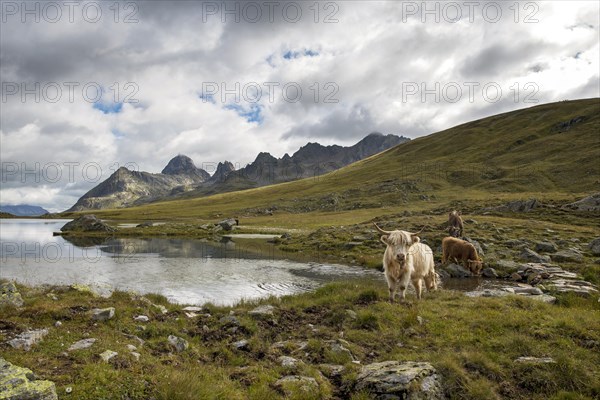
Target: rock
594, 246
535, 360
529, 255
87, 223
516, 277
180, 344
528, 290
289, 383
192, 308
400, 380
82, 344
489, 273
57, 324
351, 314
97, 290
103, 314
457, 271
515, 243
9, 295
546, 247
135, 355
262, 311
68, 390
131, 347
229, 320
227, 224
163, 310
107, 355
337, 348
27, 339
350, 245
145, 225
288, 362
18, 383
240, 345
590, 203
286, 236
332, 370
141, 318
569, 255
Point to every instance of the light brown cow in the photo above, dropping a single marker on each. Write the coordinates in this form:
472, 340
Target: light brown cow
455, 224
407, 260
458, 250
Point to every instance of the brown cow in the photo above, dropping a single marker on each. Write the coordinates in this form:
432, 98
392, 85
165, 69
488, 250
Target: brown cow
455, 224
458, 250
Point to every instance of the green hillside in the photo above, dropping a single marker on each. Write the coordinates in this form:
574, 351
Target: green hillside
550, 150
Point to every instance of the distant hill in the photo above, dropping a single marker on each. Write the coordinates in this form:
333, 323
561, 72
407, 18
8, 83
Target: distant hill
181, 177
23, 210
549, 148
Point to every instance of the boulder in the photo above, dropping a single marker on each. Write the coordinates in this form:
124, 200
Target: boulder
291, 383
489, 273
227, 224
103, 314
180, 344
240, 345
529, 255
27, 339
546, 247
87, 223
262, 311
590, 203
400, 380
288, 362
17, 383
568, 255
107, 355
458, 271
9, 295
82, 344
594, 246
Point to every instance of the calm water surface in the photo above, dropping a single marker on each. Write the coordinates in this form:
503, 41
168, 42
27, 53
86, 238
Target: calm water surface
185, 271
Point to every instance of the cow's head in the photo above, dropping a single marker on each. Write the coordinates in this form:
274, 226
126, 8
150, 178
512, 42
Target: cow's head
454, 231
475, 266
398, 242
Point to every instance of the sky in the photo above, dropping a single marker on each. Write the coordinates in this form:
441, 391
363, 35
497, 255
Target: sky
88, 87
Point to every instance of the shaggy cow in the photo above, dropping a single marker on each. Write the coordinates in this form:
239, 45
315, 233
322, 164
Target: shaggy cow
455, 224
458, 250
405, 260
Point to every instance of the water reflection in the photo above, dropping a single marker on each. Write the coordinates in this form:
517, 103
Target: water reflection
186, 271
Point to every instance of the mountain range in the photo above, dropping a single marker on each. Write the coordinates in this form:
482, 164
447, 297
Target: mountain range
181, 178
23, 210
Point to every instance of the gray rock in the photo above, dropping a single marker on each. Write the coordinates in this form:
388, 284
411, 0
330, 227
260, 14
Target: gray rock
337, 348
528, 290
27, 339
400, 380
107, 355
594, 246
180, 344
529, 255
546, 247
590, 203
141, 318
229, 320
227, 224
146, 224
515, 243
457, 271
332, 370
87, 223
569, 255
240, 345
535, 360
9, 295
82, 344
290, 383
262, 311
351, 314
18, 383
489, 273
103, 314
288, 362
192, 308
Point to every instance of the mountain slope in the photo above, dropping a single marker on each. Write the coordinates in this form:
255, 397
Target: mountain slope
23, 210
548, 148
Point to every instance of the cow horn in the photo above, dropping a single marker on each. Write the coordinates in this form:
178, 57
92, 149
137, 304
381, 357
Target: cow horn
416, 233
381, 230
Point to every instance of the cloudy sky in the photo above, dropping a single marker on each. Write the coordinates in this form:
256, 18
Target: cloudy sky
92, 86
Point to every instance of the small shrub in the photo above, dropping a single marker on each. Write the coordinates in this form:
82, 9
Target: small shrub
367, 296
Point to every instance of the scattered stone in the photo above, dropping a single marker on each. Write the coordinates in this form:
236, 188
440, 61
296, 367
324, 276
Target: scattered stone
190, 315
135, 355
337, 348
146, 224
131, 347
52, 296
180, 344
489, 273
96, 289
569, 255
192, 309
163, 310
57, 324
230, 320
140, 340
351, 314
227, 224
590, 203
141, 318
594, 246
400, 380
420, 320
27, 339
286, 236
107, 355
332, 370
9, 295
262, 311
515, 243
529, 255
288, 362
458, 271
240, 345
87, 223
82, 344
68, 390
546, 247
103, 314
287, 384
536, 360
528, 290
18, 383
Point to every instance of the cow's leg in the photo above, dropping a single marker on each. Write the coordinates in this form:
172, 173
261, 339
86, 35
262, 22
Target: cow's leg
392, 290
417, 283
430, 281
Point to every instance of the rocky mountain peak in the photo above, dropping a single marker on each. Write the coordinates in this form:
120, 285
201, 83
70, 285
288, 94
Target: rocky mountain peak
183, 165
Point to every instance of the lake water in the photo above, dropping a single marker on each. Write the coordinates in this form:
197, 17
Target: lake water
185, 271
